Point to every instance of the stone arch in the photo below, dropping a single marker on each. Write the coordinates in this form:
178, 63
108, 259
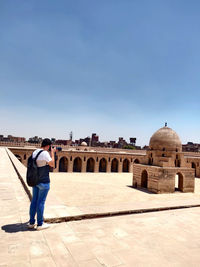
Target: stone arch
103, 165
114, 165
63, 164
90, 165
179, 182
193, 165
125, 165
136, 161
77, 165
18, 157
144, 179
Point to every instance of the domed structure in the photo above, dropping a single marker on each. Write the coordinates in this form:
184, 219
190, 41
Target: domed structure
83, 144
165, 139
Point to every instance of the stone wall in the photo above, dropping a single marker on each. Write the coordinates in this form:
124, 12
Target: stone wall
162, 180
194, 163
70, 156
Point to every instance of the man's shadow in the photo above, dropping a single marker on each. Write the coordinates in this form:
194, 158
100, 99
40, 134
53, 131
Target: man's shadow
16, 227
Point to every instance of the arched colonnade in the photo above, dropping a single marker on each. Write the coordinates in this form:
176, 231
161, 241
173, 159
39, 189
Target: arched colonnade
94, 164
84, 162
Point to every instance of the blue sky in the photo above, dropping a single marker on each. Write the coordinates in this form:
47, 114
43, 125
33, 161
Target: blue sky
112, 67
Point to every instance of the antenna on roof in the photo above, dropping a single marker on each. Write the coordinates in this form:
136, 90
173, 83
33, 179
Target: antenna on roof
165, 124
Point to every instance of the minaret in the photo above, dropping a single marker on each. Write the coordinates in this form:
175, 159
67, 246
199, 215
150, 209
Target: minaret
70, 136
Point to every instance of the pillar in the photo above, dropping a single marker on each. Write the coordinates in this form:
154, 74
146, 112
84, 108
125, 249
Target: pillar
120, 166
70, 165
96, 166
130, 166
84, 165
108, 166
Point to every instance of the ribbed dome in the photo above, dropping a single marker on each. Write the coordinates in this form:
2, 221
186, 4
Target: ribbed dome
165, 139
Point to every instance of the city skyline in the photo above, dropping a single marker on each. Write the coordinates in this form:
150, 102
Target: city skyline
70, 137
117, 68
93, 140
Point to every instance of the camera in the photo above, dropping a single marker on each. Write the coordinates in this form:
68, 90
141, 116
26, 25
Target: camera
58, 148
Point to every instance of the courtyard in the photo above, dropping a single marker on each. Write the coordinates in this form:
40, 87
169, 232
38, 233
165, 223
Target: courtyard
111, 191
164, 238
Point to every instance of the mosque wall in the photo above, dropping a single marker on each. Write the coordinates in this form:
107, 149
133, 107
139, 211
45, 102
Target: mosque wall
86, 161
189, 162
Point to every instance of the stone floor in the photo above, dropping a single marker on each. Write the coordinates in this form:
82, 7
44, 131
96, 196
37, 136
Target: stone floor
89, 193
100, 189
167, 238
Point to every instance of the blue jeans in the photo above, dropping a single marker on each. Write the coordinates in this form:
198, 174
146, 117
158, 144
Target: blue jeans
40, 192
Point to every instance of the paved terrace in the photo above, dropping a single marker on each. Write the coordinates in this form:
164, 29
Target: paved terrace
167, 238
77, 195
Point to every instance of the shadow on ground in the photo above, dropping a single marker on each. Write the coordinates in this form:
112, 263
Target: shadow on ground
141, 189
16, 227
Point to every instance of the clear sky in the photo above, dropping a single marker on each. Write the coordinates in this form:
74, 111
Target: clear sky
112, 67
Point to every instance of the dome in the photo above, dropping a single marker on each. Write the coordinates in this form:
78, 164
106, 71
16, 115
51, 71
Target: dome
165, 139
83, 144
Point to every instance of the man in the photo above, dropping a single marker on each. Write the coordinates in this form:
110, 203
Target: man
40, 191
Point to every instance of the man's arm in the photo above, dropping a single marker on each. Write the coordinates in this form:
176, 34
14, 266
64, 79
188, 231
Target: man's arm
52, 162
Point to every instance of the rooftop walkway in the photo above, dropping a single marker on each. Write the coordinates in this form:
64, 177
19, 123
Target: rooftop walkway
169, 238
57, 209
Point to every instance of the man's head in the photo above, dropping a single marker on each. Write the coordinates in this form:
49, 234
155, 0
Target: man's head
46, 143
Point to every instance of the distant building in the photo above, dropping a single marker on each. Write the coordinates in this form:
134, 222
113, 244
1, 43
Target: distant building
13, 139
63, 142
133, 141
35, 140
94, 139
121, 142
191, 147
87, 140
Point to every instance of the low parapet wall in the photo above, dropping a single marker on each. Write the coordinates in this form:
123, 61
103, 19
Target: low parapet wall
21, 171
